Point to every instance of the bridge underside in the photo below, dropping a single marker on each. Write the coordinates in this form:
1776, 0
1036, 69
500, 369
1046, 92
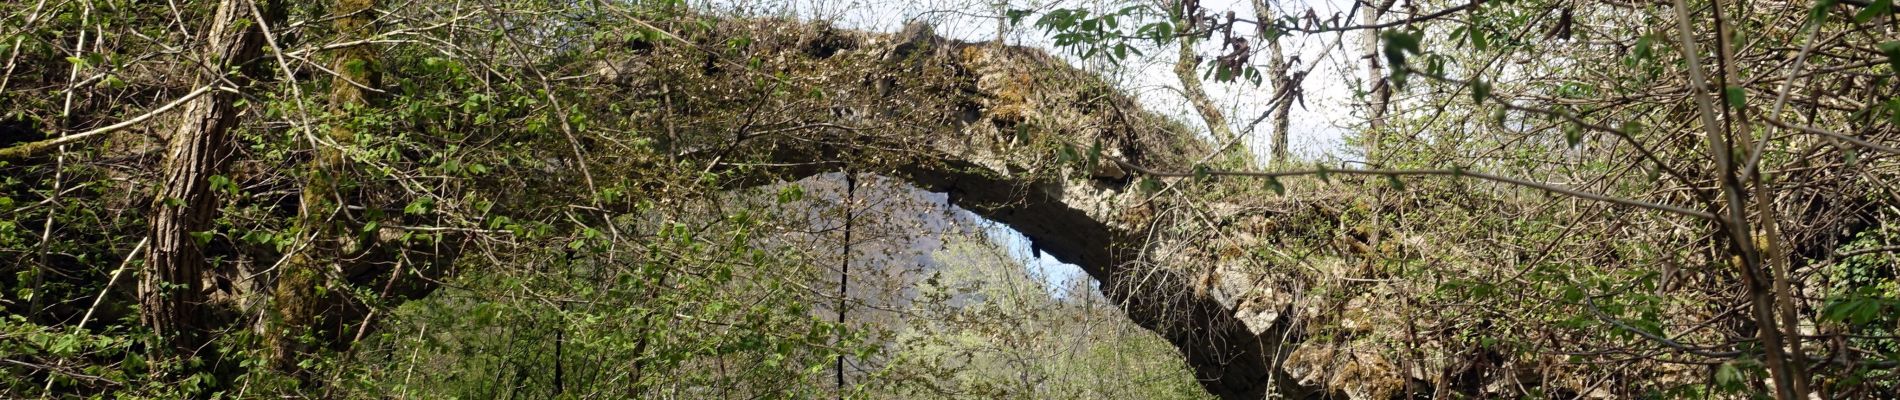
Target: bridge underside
1020, 139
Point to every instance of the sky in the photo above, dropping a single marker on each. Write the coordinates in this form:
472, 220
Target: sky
1317, 125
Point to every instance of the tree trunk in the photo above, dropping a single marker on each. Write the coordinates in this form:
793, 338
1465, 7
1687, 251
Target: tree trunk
1283, 91
171, 289
296, 302
1789, 379
1185, 66
1376, 86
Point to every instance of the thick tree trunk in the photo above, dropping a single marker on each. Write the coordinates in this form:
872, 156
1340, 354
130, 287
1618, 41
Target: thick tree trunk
171, 289
296, 303
1186, 64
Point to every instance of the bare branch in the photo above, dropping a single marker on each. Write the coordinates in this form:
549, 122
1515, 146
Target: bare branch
1837, 135
1437, 172
27, 150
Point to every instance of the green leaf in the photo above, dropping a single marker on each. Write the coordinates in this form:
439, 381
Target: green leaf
1572, 294
1645, 48
257, 237
1874, 10
1839, 310
1867, 312
1478, 40
220, 183
1223, 74
1737, 98
1159, 32
1728, 376
1892, 50
1400, 43
1648, 326
1150, 185
1016, 16
203, 238
1094, 156
1893, 109
1818, 13
419, 206
790, 193
65, 345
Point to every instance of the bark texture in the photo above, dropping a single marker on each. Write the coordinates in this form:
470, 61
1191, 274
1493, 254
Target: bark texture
171, 291
1284, 90
296, 300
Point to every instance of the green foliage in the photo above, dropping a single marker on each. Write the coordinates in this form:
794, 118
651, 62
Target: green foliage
988, 328
1089, 35
641, 322
1892, 50
1875, 9
528, 208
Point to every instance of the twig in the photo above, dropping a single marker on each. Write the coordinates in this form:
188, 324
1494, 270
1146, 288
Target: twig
26, 150
109, 282
1751, 167
1591, 303
1870, 250
56, 370
1438, 172
1837, 135
1736, 225
1414, 19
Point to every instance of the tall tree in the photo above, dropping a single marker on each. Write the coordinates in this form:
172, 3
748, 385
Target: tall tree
171, 291
296, 302
1284, 88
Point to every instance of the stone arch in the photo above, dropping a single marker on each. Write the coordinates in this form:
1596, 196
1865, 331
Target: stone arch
1017, 137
